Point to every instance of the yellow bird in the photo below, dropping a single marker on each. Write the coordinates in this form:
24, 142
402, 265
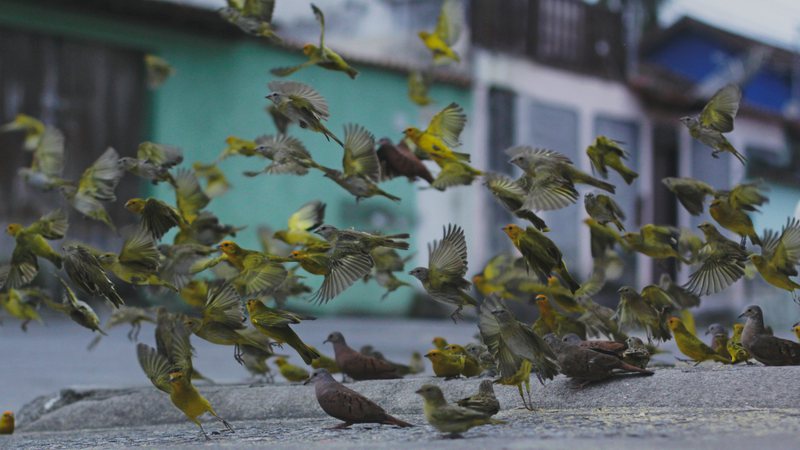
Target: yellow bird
472, 367
441, 135
31, 126
446, 34
446, 364
439, 342
691, 346
736, 349
291, 372
7, 423
301, 222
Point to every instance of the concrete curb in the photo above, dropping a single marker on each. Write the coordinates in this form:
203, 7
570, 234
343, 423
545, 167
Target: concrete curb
706, 386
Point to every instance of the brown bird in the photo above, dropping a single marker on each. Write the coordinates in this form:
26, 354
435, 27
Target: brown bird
763, 347
347, 405
484, 401
358, 366
399, 161
587, 366
612, 348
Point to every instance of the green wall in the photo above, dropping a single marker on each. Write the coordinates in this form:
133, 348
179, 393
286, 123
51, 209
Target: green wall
219, 90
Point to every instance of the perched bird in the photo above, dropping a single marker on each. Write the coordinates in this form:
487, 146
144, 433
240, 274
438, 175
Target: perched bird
416, 365
612, 348
604, 209
481, 353
251, 16
84, 269
291, 372
535, 160
321, 55
635, 311
443, 279
446, 364
721, 263
303, 105
79, 311
763, 347
347, 405
636, 353
730, 208
298, 230
358, 366
796, 330
33, 128
158, 70
511, 343
691, 346
715, 119
606, 153
170, 370
418, 84
588, 366
780, 255
275, 324
446, 34
484, 400
153, 162
719, 339
691, 193
31, 244
137, 262
736, 350
541, 254
7, 423
511, 194
97, 184
451, 419
472, 367
399, 161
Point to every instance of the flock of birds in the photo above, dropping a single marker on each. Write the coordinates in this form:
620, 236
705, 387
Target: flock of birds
508, 350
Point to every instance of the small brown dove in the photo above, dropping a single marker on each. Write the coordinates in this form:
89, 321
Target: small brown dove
612, 348
358, 366
763, 347
587, 366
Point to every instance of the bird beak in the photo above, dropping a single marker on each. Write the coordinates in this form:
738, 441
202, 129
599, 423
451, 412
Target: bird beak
307, 381
325, 341
742, 314
418, 391
706, 333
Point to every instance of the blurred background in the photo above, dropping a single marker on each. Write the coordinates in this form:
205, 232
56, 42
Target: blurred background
546, 73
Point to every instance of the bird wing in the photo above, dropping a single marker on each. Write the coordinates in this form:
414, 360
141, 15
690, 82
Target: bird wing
321, 19
140, 249
159, 154
48, 157
786, 254
158, 217
399, 160
302, 93
260, 274
52, 225
223, 305
155, 366
718, 271
658, 234
308, 217
658, 298
453, 173
22, 270
189, 196
720, 111
489, 327
259, 9
506, 190
359, 153
101, 178
344, 271
612, 205
450, 22
747, 196
547, 191
448, 123
448, 257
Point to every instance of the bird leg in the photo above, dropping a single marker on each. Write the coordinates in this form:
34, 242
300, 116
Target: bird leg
457, 314
237, 354
203, 430
342, 426
225, 422
24, 325
138, 329
528, 406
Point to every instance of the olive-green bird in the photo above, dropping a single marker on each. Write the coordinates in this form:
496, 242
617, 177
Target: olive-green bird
511, 194
552, 321
780, 255
604, 209
472, 367
683, 297
157, 216
79, 311
320, 55
715, 119
358, 187
691, 193
302, 105
153, 162
443, 279
601, 237
361, 240
605, 153
31, 244
258, 273
634, 311
341, 267
96, 185
47, 163
600, 320
541, 254
451, 419
719, 339
691, 346
655, 241
455, 173
301, 223
325, 362
137, 262
23, 304
446, 364
252, 16
131, 315
216, 181
721, 263
157, 70
33, 128
275, 324
736, 350
287, 154
387, 262
419, 83
295, 374
535, 160
448, 29
730, 208
84, 269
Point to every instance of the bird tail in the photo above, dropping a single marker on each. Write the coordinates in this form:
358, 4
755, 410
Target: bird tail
307, 353
584, 178
565, 275
391, 197
389, 420
329, 134
531, 217
352, 73
630, 368
627, 174
468, 299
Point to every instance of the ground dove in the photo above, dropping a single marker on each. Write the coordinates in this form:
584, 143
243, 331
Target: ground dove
587, 366
763, 347
358, 366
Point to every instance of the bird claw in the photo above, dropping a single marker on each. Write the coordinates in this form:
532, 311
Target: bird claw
456, 315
